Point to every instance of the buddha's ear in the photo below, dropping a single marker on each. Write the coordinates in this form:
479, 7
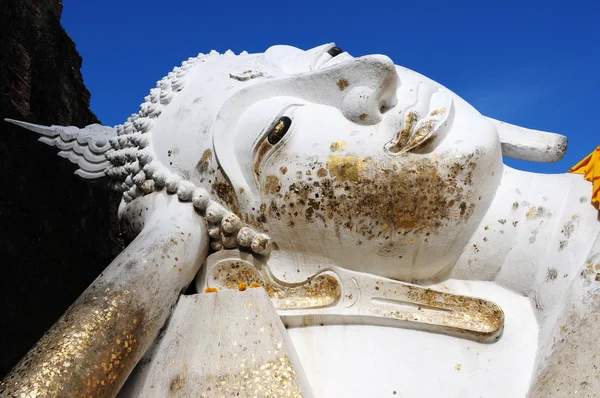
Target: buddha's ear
526, 144
85, 147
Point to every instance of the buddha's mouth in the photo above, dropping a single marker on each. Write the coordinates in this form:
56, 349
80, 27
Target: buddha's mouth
418, 129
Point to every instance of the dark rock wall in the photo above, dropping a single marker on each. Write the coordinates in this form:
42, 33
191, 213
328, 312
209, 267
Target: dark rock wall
57, 232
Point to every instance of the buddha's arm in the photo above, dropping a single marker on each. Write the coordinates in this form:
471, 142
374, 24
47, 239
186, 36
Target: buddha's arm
93, 347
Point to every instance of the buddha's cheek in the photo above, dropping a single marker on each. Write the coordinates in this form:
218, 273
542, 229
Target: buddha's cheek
360, 211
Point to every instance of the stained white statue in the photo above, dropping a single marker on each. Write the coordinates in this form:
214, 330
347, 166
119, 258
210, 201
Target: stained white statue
358, 203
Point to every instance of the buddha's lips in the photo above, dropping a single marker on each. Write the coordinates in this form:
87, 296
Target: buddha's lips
417, 129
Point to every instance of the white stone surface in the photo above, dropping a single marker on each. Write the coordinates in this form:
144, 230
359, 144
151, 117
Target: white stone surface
85, 147
222, 344
528, 144
382, 171
372, 361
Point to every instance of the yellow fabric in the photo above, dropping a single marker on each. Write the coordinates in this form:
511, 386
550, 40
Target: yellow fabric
590, 168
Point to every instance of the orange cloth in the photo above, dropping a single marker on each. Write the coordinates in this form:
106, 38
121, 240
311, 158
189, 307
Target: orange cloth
590, 168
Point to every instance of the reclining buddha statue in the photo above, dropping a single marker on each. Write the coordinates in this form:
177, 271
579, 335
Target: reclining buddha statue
311, 224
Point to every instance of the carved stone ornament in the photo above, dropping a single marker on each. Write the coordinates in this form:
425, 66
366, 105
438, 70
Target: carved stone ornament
351, 231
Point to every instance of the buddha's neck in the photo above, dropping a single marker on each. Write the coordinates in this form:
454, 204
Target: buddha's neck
531, 222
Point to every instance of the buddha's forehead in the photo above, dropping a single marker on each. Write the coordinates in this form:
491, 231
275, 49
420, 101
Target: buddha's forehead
185, 129
183, 133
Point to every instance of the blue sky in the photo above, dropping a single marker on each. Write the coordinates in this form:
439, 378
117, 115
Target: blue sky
532, 63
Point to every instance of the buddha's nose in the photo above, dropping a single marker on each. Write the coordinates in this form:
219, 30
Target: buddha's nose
372, 91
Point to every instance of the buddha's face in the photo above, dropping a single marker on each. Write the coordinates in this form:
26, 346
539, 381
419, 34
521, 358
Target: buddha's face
369, 165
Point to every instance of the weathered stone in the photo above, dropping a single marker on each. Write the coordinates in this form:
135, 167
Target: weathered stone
57, 233
372, 197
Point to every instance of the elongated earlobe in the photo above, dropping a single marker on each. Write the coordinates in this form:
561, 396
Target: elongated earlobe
533, 145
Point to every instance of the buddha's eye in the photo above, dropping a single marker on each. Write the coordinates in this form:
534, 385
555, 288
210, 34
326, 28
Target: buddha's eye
334, 51
279, 130
331, 57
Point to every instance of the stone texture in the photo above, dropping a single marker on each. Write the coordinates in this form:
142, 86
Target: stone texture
226, 344
57, 232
